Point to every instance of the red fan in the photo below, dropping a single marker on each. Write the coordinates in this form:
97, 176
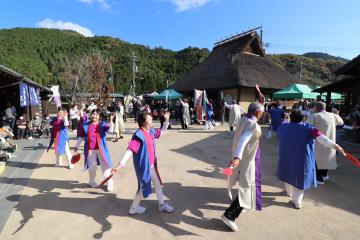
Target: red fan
258, 89
353, 159
228, 171
75, 158
104, 181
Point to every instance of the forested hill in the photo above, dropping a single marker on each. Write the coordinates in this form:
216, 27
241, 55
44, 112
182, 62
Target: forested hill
316, 68
39, 54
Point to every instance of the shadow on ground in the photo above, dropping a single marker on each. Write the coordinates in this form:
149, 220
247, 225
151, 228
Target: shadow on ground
206, 198
215, 150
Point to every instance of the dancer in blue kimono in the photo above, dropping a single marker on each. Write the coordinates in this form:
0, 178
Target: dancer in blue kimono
95, 148
277, 117
296, 166
209, 115
142, 149
60, 138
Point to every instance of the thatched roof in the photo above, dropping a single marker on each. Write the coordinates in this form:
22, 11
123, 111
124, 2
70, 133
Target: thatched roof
236, 63
350, 68
350, 82
346, 84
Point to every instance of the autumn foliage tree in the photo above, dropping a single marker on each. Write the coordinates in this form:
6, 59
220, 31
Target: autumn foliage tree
102, 86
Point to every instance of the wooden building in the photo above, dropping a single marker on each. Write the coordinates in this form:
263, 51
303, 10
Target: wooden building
233, 68
10, 92
348, 84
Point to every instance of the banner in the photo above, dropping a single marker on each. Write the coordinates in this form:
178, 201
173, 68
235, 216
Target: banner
24, 95
56, 95
34, 97
198, 104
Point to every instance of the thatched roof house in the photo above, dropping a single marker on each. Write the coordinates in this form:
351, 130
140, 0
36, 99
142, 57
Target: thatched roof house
349, 83
234, 67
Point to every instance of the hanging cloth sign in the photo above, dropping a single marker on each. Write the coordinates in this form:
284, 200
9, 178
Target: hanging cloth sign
24, 95
34, 98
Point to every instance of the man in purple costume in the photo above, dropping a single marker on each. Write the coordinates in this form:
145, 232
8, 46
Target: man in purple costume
246, 166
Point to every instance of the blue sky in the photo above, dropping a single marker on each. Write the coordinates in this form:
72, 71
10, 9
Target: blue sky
290, 26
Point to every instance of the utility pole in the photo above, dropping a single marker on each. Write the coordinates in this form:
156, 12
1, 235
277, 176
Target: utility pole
112, 79
301, 63
134, 70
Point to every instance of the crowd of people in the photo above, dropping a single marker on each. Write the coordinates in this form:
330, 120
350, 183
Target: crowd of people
18, 127
307, 151
306, 136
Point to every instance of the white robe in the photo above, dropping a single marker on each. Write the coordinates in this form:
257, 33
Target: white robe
234, 114
186, 113
326, 122
245, 145
119, 121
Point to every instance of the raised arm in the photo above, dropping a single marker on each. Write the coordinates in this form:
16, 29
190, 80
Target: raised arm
338, 120
109, 127
163, 130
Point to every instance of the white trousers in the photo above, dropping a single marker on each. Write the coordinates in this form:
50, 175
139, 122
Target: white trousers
296, 194
158, 190
67, 154
92, 161
208, 125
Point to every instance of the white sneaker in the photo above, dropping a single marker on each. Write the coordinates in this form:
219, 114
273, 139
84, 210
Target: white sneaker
30, 138
296, 205
327, 178
93, 184
138, 210
166, 207
229, 223
71, 166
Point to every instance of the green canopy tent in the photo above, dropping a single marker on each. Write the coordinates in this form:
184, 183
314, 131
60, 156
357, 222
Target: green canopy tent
169, 94
300, 91
334, 96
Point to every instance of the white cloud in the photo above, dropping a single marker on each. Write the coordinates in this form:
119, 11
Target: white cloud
49, 23
184, 5
102, 3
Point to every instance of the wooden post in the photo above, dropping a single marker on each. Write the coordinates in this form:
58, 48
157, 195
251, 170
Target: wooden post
328, 99
238, 95
347, 108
